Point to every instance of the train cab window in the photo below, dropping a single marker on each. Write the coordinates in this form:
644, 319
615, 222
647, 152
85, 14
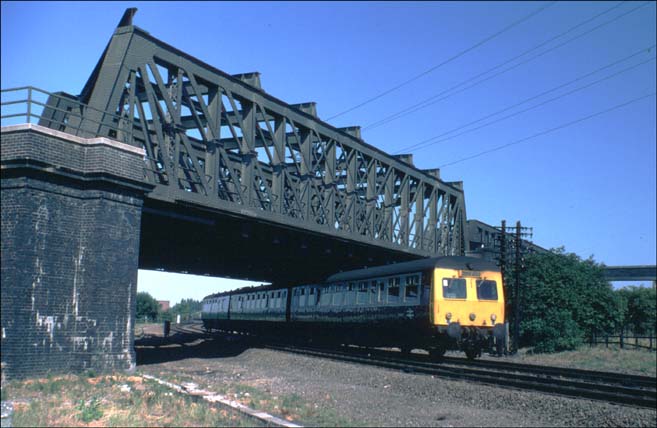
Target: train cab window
393, 290
411, 291
362, 296
486, 289
454, 288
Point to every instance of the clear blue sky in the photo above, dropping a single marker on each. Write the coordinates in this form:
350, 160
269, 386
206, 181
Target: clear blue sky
589, 187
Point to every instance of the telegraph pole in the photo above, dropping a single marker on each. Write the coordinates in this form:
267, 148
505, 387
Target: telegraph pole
506, 287
516, 290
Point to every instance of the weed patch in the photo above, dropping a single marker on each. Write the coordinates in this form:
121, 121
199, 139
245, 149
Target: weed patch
111, 400
89, 410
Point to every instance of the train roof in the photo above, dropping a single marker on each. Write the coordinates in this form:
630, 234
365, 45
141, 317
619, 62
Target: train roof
248, 289
449, 262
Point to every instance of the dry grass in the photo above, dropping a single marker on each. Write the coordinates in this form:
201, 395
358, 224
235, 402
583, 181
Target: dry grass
112, 400
291, 407
612, 359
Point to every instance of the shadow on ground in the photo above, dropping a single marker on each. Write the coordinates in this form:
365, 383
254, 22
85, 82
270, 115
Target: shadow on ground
155, 350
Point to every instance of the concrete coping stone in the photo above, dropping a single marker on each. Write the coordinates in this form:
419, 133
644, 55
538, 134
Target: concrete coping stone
73, 138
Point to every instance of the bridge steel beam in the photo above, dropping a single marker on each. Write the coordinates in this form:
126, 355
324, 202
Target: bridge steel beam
218, 141
631, 273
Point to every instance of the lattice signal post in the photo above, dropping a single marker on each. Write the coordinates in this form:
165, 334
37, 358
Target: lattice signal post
517, 244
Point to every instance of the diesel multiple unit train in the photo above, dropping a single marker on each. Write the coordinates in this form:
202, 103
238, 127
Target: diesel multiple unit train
433, 304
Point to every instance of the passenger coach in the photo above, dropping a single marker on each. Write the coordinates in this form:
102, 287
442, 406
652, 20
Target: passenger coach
434, 304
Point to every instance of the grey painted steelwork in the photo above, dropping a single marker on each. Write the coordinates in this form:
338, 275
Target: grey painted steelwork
218, 141
631, 273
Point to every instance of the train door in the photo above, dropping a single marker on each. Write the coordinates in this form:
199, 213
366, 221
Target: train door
287, 296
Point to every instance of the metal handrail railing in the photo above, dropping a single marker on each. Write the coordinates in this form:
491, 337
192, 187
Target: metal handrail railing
51, 115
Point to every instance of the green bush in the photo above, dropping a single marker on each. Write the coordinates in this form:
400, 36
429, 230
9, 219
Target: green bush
637, 306
556, 331
563, 300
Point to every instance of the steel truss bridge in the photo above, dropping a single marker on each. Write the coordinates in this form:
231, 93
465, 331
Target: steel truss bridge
236, 167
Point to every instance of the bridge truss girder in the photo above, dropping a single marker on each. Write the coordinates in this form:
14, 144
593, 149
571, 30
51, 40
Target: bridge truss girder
219, 141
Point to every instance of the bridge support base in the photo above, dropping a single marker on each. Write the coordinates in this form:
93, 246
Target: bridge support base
71, 217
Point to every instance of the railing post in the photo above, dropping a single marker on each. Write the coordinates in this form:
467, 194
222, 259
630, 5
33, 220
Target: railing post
621, 339
29, 104
607, 341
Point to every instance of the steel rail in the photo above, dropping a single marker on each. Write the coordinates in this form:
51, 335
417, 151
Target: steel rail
597, 376
632, 390
605, 392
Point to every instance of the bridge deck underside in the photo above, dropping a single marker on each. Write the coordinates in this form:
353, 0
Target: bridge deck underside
205, 243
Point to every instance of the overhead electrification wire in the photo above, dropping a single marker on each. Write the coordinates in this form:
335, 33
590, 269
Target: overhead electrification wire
432, 100
547, 131
447, 61
431, 141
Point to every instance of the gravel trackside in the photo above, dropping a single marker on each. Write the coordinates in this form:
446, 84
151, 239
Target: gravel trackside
371, 396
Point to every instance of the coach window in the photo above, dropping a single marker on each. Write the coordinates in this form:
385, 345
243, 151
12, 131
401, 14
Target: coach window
350, 294
362, 297
382, 289
302, 299
454, 288
337, 296
373, 292
312, 297
393, 290
325, 297
412, 282
486, 289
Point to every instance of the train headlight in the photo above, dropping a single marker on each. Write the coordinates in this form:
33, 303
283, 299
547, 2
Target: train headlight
493, 317
448, 316
473, 316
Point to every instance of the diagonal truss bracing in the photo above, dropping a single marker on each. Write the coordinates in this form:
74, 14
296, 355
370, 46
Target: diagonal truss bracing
219, 141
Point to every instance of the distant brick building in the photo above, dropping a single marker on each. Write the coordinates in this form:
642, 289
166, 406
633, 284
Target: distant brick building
164, 305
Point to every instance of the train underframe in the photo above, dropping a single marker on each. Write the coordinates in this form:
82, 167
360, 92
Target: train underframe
406, 336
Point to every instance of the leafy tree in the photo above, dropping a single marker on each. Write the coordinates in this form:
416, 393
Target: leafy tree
563, 299
147, 306
186, 308
638, 309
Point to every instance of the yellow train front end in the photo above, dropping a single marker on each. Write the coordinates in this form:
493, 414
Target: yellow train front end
467, 308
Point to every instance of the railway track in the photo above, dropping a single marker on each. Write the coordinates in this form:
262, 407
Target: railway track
640, 391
